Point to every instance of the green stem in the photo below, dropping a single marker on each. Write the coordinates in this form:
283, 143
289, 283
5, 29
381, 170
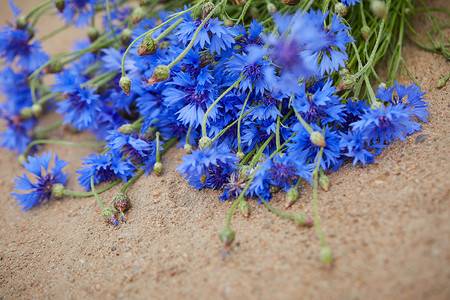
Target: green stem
236, 203
278, 138
132, 179
158, 137
188, 135
88, 194
239, 122
244, 11
205, 117
168, 30
64, 143
315, 200
52, 34
291, 217
44, 131
303, 122
37, 8
108, 15
96, 194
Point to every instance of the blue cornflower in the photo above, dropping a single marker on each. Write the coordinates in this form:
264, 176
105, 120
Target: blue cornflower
14, 86
208, 167
385, 124
259, 73
355, 146
130, 145
104, 167
286, 170
85, 9
269, 108
251, 37
16, 136
411, 96
41, 189
350, 2
15, 43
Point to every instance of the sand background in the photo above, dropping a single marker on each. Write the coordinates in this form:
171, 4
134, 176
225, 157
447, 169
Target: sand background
388, 224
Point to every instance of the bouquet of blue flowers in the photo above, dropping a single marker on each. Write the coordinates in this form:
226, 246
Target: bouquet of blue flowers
262, 95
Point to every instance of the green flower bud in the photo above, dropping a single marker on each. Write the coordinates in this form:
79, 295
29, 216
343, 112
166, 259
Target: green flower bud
187, 148
271, 8
21, 158
37, 109
137, 14
125, 84
240, 155
126, 129
60, 5
148, 46
54, 67
291, 197
365, 32
340, 9
227, 237
125, 36
203, 178
347, 83
207, 8
382, 86
22, 22
204, 142
164, 45
26, 113
343, 72
303, 221
326, 256
121, 202
317, 139
244, 208
378, 8
93, 33
158, 167
291, 2
324, 182
109, 216
161, 73
206, 59
228, 23
58, 190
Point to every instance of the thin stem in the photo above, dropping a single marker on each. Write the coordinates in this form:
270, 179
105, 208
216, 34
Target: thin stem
44, 131
52, 34
88, 194
96, 194
239, 122
37, 8
64, 143
315, 200
108, 15
188, 135
168, 30
239, 199
158, 137
244, 11
278, 138
303, 122
132, 179
291, 217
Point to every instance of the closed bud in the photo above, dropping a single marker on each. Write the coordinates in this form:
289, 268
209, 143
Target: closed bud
271, 8
365, 32
126, 129
240, 155
203, 178
137, 15
340, 9
347, 83
326, 256
343, 72
125, 84
382, 86
303, 220
58, 190
161, 73
22, 22
26, 113
148, 46
204, 142
228, 23
54, 67
60, 5
21, 158
158, 167
121, 202
164, 45
291, 2
244, 208
324, 182
317, 139
93, 33
125, 36
206, 59
227, 237
37, 109
207, 8
109, 216
378, 8
291, 196
187, 148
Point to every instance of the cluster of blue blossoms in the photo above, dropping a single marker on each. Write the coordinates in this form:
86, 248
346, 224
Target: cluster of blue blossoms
269, 85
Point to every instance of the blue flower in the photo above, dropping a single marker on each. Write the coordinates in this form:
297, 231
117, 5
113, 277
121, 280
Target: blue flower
104, 167
350, 2
355, 146
41, 189
16, 136
85, 9
286, 170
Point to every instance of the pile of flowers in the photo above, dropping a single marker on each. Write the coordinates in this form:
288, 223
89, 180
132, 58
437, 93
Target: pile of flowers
262, 96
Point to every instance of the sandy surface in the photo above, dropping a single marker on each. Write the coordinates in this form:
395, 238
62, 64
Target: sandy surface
387, 224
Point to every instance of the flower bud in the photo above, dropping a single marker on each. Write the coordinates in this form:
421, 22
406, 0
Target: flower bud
383, 86
291, 2
22, 22
137, 14
148, 46
125, 84
317, 139
207, 8
109, 216
378, 8
145, 2
326, 256
227, 237
206, 58
158, 167
121, 202
271, 8
58, 190
125, 36
60, 5
164, 45
343, 72
303, 221
324, 182
291, 196
228, 23
204, 142
92, 33
21, 158
240, 155
340, 9
54, 67
244, 208
347, 83
126, 129
161, 73
203, 178
365, 32
442, 82
26, 113
37, 109
187, 148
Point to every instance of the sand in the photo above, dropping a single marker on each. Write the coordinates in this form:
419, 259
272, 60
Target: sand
387, 224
